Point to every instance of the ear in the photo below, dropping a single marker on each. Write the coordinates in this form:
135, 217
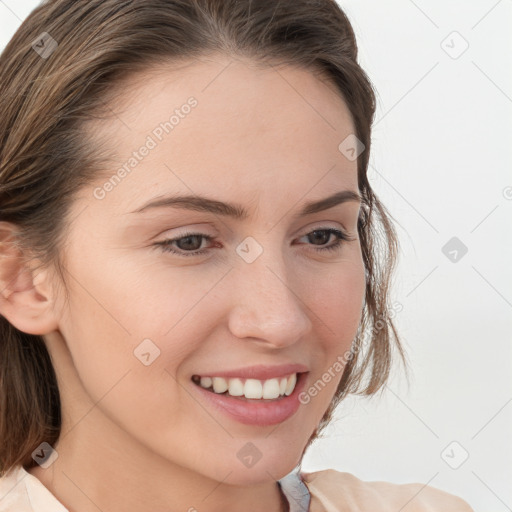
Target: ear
25, 293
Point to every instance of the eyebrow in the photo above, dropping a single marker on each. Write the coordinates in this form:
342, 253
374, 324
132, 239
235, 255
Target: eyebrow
237, 211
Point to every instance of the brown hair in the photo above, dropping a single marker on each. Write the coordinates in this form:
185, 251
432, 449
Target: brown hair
46, 157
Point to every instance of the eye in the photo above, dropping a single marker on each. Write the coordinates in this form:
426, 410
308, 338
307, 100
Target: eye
187, 244
190, 244
324, 234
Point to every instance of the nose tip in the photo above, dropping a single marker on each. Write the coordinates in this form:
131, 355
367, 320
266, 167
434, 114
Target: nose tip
269, 310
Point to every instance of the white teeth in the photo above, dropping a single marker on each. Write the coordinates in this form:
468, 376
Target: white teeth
252, 388
282, 385
291, 385
219, 385
271, 388
206, 382
236, 387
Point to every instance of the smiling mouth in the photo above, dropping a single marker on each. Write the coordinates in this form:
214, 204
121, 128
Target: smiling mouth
249, 389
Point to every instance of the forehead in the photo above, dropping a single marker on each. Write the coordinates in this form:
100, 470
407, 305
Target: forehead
251, 128
229, 83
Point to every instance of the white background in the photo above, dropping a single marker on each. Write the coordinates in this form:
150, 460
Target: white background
441, 162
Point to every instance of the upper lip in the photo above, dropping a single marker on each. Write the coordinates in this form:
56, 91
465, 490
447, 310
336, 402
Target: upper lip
259, 372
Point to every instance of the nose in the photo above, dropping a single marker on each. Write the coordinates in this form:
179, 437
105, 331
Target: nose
269, 305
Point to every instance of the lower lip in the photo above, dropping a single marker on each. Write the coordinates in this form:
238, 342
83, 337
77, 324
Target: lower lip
253, 411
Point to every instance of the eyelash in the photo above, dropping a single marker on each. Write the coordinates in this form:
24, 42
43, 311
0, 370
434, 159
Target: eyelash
166, 245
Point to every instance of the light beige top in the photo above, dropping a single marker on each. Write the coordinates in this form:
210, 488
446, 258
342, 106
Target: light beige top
335, 491
330, 490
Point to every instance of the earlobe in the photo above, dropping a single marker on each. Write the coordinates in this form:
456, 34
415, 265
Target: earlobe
25, 294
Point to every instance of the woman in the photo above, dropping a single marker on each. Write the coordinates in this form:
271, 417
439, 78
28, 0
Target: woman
193, 261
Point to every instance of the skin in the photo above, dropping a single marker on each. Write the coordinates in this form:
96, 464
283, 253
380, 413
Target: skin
267, 139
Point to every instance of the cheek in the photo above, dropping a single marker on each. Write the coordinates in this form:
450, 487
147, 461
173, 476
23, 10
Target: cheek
125, 366
130, 320
338, 305
337, 299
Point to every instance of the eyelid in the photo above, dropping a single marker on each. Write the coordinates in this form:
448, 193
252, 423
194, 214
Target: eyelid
198, 231
319, 225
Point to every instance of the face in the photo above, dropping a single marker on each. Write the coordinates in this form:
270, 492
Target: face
162, 295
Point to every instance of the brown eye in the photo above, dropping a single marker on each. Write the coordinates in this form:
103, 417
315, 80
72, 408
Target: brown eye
320, 235
186, 245
323, 235
189, 243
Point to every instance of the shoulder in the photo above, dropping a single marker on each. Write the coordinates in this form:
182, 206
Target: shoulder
13, 492
330, 488
20, 491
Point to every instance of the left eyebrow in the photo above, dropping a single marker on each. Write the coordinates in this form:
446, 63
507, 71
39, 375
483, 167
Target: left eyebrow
237, 211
